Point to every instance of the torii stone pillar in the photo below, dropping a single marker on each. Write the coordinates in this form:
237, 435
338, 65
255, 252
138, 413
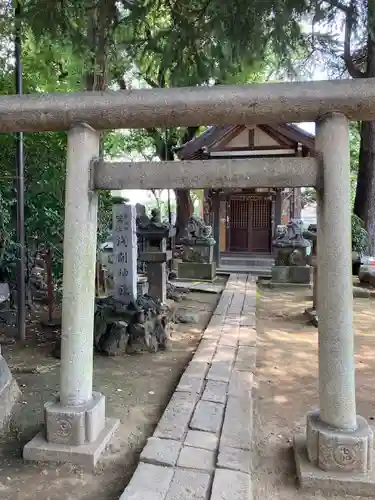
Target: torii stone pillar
338, 442
76, 428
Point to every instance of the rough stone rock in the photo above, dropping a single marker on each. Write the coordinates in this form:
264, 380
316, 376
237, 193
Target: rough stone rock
187, 317
115, 341
367, 275
119, 328
175, 293
100, 328
56, 351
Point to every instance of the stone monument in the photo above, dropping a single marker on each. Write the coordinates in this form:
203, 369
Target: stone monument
156, 255
293, 257
124, 253
197, 258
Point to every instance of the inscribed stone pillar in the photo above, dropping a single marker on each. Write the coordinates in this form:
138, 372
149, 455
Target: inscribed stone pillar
76, 428
337, 439
124, 252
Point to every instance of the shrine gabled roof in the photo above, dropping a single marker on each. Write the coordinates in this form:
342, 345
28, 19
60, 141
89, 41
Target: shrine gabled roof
284, 133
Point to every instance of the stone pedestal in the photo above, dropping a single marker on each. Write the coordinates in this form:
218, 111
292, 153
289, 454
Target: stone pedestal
157, 280
197, 270
157, 271
197, 259
291, 274
336, 452
333, 449
76, 429
142, 286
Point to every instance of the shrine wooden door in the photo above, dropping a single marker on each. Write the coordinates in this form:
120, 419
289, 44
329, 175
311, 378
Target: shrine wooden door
249, 224
238, 224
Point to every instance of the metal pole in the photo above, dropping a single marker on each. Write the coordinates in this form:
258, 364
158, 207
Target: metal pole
20, 187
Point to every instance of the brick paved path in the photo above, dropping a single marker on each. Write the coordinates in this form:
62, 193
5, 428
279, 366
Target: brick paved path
200, 449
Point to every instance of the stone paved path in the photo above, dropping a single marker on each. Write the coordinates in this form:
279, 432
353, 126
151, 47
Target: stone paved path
201, 446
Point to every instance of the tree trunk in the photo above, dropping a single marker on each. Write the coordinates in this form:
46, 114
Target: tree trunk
364, 205
184, 209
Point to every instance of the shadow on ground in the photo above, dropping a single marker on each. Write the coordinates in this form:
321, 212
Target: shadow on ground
287, 369
137, 389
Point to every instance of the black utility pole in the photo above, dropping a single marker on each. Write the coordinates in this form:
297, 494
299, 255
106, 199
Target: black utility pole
20, 187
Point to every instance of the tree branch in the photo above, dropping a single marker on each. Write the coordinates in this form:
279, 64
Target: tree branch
189, 134
338, 5
353, 70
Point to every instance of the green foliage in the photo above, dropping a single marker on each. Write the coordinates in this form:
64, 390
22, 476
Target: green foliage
74, 44
359, 235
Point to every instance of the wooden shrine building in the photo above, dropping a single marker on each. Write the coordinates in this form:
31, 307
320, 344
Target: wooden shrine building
244, 220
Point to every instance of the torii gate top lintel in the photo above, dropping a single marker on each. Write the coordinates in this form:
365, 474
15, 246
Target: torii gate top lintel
189, 106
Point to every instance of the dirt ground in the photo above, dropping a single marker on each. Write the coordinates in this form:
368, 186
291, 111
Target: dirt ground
287, 367
137, 388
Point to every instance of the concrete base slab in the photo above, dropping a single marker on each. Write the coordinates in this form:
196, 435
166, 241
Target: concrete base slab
84, 455
283, 286
312, 478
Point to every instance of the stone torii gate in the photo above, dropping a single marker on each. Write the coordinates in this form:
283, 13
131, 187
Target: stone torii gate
337, 447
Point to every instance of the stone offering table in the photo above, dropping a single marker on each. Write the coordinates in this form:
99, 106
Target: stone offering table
197, 258
293, 257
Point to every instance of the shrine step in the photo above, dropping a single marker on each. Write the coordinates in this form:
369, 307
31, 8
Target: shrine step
253, 270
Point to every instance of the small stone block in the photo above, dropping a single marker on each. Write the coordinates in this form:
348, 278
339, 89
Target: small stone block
75, 425
161, 451
196, 458
234, 459
215, 391
205, 351
86, 455
340, 482
231, 485
197, 369
241, 384
229, 336
222, 364
248, 320
95, 417
208, 416
220, 371
176, 417
149, 482
246, 359
247, 336
65, 425
191, 384
189, 485
237, 428
200, 439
